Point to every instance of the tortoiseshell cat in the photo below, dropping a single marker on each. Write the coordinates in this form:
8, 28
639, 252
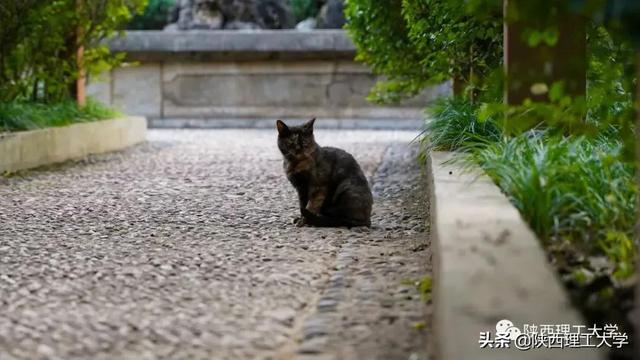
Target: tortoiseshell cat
331, 187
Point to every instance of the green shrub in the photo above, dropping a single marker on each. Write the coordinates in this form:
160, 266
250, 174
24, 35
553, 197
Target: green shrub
154, 17
303, 9
420, 42
453, 42
19, 116
382, 39
39, 40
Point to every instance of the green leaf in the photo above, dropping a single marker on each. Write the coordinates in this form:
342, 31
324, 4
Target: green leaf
557, 91
551, 36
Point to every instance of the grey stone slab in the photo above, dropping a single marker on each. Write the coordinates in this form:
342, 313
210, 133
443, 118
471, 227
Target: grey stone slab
234, 41
137, 89
266, 123
248, 75
275, 89
99, 88
247, 90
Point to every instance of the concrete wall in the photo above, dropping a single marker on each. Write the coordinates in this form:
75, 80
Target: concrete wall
489, 266
29, 149
203, 78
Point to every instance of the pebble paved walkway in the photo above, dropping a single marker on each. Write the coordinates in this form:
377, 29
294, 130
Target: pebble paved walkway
183, 248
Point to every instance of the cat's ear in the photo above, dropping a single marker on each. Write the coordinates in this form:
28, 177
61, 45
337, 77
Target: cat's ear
283, 129
308, 126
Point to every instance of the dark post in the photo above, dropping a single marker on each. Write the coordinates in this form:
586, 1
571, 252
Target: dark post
636, 311
531, 70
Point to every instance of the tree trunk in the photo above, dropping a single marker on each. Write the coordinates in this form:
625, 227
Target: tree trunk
636, 311
544, 64
81, 96
458, 86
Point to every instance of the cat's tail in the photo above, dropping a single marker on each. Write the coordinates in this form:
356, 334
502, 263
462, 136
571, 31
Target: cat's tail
328, 221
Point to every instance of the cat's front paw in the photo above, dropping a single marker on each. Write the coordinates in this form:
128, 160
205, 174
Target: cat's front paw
299, 221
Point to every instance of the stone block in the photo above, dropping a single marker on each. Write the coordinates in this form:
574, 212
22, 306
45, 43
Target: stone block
489, 266
137, 89
29, 149
213, 76
99, 87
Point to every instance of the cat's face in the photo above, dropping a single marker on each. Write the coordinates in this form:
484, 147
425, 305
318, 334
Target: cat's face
296, 141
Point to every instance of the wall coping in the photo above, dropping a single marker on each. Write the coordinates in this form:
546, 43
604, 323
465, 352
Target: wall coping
489, 266
29, 149
229, 42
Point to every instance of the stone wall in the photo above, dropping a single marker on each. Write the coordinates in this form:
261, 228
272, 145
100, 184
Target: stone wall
30, 149
210, 78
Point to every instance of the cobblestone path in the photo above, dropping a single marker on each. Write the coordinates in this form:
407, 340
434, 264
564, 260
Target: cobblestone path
183, 248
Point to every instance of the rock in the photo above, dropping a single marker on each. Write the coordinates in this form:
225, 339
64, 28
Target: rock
230, 14
241, 25
315, 327
331, 15
285, 316
307, 24
197, 14
316, 345
327, 305
171, 27
274, 14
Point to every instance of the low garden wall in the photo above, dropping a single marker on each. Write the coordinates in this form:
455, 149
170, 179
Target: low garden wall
489, 266
217, 78
29, 149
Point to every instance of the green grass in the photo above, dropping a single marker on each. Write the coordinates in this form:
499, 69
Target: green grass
453, 124
573, 189
579, 196
21, 116
563, 184
577, 193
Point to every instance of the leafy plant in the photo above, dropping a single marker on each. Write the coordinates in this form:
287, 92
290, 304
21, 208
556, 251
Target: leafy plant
382, 39
573, 188
454, 43
421, 42
19, 116
422, 285
621, 252
154, 17
303, 9
452, 124
39, 41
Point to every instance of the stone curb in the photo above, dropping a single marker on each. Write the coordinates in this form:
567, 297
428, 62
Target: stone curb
322, 123
29, 149
488, 266
234, 41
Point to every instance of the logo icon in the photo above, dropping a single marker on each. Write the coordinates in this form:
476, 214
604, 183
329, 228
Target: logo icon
505, 328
